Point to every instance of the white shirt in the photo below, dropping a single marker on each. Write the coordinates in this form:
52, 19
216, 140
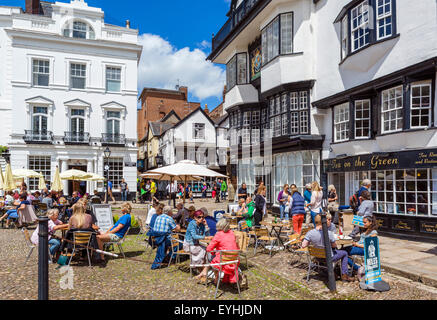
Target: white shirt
152, 211
316, 201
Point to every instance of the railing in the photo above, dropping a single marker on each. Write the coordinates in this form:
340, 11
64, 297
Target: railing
42, 136
113, 138
76, 137
236, 17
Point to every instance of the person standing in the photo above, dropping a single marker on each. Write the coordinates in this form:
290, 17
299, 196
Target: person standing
316, 200
124, 190
242, 192
110, 192
152, 189
365, 210
217, 192
297, 209
224, 189
282, 199
260, 205
204, 187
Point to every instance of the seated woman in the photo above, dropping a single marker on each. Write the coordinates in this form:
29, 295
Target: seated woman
224, 239
248, 214
197, 230
53, 225
80, 220
357, 248
13, 213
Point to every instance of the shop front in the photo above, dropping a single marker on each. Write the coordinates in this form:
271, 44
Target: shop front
404, 188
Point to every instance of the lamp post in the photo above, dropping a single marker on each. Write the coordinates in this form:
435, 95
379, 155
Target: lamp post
6, 155
107, 154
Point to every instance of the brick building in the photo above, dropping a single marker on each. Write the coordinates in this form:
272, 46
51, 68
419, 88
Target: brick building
157, 103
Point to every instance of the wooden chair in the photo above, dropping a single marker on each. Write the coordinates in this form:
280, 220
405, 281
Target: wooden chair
81, 241
227, 257
29, 243
118, 243
243, 242
262, 237
242, 226
175, 249
317, 260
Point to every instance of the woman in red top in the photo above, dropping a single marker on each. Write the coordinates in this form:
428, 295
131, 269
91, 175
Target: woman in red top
224, 239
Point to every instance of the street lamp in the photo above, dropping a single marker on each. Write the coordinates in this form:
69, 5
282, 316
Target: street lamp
107, 154
6, 155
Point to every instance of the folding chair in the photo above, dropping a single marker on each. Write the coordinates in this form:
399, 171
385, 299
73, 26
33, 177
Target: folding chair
227, 257
317, 260
175, 249
262, 236
28, 243
118, 243
81, 241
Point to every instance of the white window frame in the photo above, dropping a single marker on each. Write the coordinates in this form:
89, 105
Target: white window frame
341, 122
363, 25
382, 18
109, 68
256, 117
44, 67
385, 98
199, 131
40, 115
344, 36
360, 104
78, 76
41, 164
421, 97
112, 119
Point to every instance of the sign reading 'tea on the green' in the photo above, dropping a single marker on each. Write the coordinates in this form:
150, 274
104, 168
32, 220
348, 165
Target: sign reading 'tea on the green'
372, 262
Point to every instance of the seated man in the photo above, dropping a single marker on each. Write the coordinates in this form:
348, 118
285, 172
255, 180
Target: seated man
210, 221
117, 232
14, 213
48, 201
96, 197
329, 224
184, 216
161, 230
315, 237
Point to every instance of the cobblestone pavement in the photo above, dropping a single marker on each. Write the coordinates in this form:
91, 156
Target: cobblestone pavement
279, 277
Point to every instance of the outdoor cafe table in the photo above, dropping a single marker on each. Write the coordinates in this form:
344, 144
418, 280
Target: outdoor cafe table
346, 242
276, 229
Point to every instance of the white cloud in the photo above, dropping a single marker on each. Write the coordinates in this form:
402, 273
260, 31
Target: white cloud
162, 64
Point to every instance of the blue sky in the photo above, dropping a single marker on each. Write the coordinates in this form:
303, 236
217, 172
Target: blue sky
176, 36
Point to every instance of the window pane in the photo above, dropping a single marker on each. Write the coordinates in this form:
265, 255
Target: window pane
242, 68
286, 33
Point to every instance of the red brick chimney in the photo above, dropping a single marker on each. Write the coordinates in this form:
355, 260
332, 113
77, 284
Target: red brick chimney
184, 90
32, 6
206, 109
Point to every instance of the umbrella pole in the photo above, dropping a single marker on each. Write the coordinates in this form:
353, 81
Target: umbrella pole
185, 186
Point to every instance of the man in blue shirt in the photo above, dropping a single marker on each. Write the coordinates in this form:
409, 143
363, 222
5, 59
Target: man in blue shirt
366, 185
211, 222
117, 232
110, 192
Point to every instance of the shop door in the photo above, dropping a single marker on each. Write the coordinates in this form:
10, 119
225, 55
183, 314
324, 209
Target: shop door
339, 182
79, 186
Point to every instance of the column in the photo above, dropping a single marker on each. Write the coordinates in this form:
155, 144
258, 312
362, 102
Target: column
90, 184
64, 167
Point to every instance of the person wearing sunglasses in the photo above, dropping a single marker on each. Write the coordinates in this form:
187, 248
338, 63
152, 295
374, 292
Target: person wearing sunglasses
197, 230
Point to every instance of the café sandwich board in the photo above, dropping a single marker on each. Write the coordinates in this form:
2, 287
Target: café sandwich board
103, 214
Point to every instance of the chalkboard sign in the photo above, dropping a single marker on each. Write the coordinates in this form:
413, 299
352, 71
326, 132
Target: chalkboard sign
372, 262
103, 213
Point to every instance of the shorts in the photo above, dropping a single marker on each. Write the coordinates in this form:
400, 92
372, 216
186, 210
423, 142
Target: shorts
113, 237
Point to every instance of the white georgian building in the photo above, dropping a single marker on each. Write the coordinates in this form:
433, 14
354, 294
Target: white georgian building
347, 89
68, 89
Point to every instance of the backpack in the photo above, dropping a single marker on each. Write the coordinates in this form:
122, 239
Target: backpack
353, 201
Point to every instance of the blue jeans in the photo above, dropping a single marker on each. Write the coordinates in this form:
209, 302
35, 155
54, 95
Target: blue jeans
313, 215
341, 254
354, 251
12, 214
223, 195
124, 195
282, 212
54, 246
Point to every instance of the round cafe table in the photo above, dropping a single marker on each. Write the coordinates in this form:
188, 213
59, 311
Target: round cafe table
276, 229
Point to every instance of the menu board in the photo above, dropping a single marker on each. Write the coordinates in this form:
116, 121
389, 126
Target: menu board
103, 214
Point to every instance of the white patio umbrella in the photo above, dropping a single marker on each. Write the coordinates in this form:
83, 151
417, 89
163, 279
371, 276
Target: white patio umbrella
57, 184
8, 182
184, 170
1, 178
94, 177
41, 183
25, 173
76, 175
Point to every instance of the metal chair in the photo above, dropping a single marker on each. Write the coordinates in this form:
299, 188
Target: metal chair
227, 257
118, 243
28, 243
262, 237
81, 241
175, 249
316, 258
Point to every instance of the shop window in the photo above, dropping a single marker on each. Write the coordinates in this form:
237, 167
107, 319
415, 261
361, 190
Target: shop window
40, 164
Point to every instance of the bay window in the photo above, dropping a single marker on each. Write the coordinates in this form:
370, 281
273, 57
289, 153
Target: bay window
360, 25
277, 37
384, 17
236, 71
341, 122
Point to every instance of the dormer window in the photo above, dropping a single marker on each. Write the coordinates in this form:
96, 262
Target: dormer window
79, 30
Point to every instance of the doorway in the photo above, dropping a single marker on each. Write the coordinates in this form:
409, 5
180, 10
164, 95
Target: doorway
79, 186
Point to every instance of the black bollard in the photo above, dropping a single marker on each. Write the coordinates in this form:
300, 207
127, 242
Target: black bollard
43, 259
331, 277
